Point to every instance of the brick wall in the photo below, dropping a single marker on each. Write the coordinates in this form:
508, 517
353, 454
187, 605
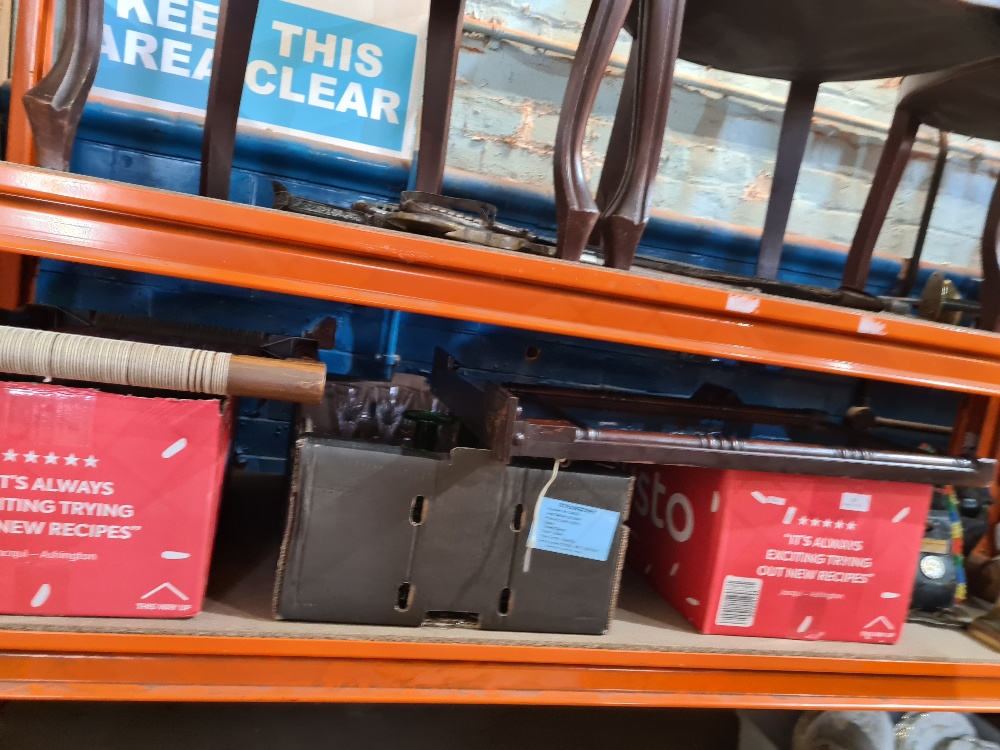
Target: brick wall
721, 138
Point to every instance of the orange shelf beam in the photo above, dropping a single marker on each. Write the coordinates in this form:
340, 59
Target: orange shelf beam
72, 218
179, 668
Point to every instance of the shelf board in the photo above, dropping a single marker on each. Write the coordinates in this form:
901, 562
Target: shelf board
66, 217
234, 651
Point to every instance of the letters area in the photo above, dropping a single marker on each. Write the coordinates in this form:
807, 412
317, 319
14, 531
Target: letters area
310, 71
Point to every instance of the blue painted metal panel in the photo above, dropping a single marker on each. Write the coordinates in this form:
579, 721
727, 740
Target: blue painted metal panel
159, 150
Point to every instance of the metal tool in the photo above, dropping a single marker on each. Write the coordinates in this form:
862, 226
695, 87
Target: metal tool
459, 219
475, 222
941, 302
516, 421
284, 200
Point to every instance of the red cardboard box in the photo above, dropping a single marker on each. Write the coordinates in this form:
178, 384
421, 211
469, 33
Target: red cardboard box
108, 503
780, 556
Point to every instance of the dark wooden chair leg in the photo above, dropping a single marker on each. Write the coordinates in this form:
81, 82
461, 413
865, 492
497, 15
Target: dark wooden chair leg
225, 90
444, 35
54, 106
895, 155
795, 128
626, 214
912, 268
576, 212
620, 140
989, 293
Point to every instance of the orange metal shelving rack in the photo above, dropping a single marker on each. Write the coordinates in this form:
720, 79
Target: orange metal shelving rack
53, 215
70, 666
72, 218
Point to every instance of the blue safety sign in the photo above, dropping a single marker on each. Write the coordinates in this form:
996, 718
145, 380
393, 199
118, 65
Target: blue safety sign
315, 69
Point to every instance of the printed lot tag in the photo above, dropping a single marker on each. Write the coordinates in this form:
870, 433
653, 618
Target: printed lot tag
574, 529
856, 501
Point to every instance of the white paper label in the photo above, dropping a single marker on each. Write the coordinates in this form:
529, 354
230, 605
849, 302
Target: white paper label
855, 501
742, 303
871, 325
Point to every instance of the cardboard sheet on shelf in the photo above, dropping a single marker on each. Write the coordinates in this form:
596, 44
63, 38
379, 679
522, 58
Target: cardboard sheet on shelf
643, 622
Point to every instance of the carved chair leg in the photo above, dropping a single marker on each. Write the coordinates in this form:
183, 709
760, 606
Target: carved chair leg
620, 139
576, 212
626, 214
54, 106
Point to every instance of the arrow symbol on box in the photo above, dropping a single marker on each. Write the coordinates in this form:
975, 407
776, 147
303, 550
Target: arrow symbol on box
169, 587
880, 619
763, 499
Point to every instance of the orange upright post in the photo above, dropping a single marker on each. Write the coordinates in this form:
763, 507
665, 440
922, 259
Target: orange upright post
33, 45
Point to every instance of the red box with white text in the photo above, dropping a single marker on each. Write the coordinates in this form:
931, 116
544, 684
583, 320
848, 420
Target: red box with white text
781, 556
108, 502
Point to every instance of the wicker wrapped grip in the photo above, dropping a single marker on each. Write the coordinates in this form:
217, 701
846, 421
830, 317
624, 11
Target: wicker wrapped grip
68, 356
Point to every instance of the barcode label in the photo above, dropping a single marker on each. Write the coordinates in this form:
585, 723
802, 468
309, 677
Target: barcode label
738, 603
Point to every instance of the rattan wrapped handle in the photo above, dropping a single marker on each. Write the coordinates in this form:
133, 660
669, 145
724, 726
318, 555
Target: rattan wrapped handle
68, 356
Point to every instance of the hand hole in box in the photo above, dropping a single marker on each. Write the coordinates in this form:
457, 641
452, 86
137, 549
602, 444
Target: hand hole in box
404, 596
518, 518
417, 510
503, 607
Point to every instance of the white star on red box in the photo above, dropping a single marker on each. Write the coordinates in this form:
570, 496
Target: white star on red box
50, 458
827, 523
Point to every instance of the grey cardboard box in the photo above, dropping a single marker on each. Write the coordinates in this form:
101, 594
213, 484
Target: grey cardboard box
387, 536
